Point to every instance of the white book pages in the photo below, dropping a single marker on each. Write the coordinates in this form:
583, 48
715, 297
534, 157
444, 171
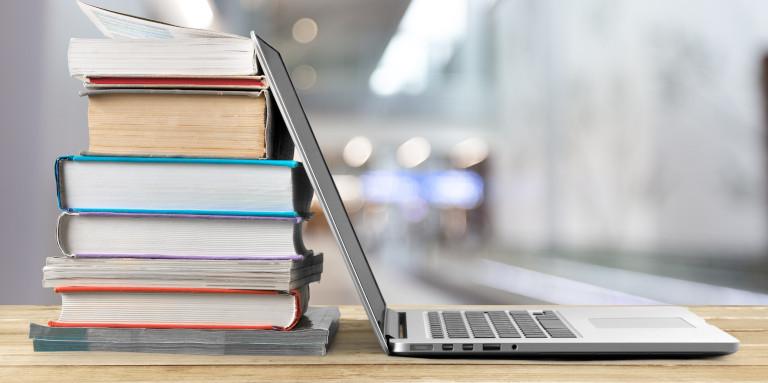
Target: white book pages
153, 57
259, 274
117, 186
178, 308
180, 236
117, 25
141, 47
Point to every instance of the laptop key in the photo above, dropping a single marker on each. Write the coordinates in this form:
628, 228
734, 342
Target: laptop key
527, 324
502, 324
454, 324
479, 325
553, 325
435, 328
493, 324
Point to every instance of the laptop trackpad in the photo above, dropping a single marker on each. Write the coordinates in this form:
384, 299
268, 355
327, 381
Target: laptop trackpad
640, 322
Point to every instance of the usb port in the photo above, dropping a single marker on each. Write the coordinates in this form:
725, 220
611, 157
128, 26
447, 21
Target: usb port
491, 347
467, 347
447, 347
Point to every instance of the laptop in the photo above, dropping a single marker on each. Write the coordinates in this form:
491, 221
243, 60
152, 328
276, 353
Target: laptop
551, 330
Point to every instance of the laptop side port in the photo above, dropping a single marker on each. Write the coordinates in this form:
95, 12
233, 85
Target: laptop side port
421, 347
467, 347
447, 347
491, 347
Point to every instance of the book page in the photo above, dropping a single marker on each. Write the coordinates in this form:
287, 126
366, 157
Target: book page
121, 26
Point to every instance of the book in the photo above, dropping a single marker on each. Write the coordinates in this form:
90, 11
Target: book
232, 82
116, 25
230, 56
311, 336
267, 273
181, 223
46, 345
137, 47
178, 236
195, 186
313, 327
182, 307
174, 122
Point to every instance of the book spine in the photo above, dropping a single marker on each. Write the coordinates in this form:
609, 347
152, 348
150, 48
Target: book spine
61, 223
301, 299
269, 128
298, 239
280, 146
302, 191
58, 173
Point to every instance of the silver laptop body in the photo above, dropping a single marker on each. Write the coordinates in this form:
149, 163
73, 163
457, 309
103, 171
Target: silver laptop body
550, 330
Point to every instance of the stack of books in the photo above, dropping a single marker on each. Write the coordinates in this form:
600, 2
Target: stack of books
183, 218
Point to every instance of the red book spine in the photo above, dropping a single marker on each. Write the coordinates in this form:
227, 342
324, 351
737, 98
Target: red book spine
191, 81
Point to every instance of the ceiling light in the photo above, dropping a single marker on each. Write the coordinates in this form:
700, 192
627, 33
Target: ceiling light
304, 77
424, 41
304, 30
195, 13
357, 151
413, 152
469, 152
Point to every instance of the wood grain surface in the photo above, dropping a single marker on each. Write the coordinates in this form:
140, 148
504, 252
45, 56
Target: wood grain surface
356, 356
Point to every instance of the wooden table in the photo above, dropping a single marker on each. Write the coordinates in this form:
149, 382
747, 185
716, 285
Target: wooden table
355, 356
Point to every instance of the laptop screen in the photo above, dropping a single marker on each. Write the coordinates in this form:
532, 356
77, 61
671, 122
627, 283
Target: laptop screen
296, 121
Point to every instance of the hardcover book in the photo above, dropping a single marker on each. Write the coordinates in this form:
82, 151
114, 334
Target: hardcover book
179, 236
180, 307
184, 122
196, 186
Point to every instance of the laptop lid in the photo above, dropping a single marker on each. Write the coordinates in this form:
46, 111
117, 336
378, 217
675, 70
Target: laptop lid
296, 121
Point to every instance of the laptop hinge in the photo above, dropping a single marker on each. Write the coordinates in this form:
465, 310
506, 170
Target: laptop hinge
395, 325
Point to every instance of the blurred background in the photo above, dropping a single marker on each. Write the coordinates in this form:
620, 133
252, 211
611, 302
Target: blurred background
488, 151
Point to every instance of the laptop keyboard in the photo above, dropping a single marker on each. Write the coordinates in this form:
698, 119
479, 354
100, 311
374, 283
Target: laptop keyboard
527, 324
496, 324
454, 324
